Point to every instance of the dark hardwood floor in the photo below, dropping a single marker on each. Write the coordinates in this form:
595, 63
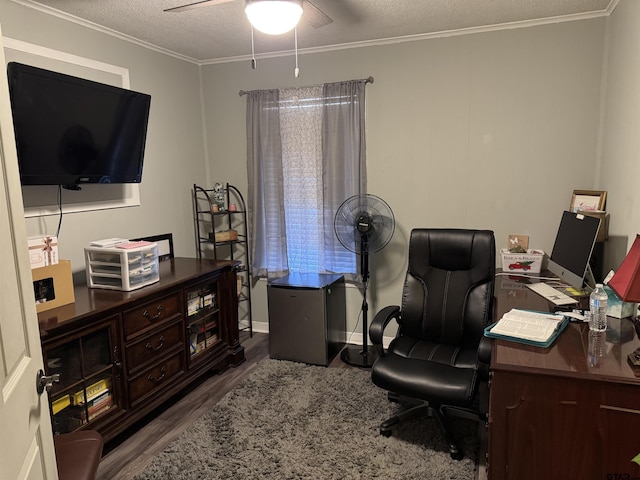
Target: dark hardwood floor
128, 454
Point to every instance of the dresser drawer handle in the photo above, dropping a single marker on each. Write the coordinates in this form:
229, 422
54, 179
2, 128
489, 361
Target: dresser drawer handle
163, 372
148, 316
151, 348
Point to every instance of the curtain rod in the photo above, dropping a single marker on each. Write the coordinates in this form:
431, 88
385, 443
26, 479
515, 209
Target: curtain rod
365, 80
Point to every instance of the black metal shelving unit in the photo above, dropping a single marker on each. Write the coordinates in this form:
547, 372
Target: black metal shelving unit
209, 221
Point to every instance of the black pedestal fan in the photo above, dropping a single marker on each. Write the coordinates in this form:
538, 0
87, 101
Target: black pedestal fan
364, 224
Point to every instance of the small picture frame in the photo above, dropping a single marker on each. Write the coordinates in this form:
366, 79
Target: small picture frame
518, 243
588, 201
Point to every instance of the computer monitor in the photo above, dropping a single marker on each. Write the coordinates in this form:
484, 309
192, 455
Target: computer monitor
573, 247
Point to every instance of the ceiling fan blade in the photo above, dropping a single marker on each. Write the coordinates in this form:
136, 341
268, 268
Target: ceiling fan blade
314, 16
201, 3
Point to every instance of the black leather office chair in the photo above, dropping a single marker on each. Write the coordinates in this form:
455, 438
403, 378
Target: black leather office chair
439, 355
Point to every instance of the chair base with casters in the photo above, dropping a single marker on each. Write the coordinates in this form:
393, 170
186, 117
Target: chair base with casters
438, 360
421, 408
463, 387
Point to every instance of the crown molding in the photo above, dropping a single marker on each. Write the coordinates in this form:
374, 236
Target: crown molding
99, 28
328, 48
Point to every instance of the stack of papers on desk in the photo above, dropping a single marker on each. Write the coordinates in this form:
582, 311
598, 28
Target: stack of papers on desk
534, 328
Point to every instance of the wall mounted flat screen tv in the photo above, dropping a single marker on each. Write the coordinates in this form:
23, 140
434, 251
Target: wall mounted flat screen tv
72, 131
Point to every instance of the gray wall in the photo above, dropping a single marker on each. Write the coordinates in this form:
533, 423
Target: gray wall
174, 157
619, 154
491, 130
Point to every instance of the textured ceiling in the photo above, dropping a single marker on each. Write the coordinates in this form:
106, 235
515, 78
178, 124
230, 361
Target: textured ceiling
222, 31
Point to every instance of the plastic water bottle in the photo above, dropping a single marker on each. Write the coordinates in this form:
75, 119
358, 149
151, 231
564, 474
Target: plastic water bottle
598, 309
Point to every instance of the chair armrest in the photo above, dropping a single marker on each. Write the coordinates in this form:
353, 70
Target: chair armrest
380, 322
484, 350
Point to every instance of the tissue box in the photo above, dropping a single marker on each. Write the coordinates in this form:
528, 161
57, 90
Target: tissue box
617, 308
530, 262
43, 250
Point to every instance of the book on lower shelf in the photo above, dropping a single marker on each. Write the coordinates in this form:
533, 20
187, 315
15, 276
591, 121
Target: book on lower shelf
529, 327
92, 391
200, 341
73, 416
100, 405
60, 404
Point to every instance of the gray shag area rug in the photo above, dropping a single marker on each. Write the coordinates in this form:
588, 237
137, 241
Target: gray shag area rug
293, 421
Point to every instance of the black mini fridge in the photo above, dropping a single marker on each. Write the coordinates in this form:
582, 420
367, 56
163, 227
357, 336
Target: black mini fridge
307, 317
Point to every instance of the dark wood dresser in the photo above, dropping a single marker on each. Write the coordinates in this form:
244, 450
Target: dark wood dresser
120, 354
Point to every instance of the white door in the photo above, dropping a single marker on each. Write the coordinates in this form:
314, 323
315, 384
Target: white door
26, 441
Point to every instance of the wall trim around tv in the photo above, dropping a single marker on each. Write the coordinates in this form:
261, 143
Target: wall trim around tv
41, 200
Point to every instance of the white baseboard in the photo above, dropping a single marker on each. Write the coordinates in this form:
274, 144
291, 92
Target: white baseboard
352, 338
261, 327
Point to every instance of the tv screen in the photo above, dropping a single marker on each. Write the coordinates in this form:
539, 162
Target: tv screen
71, 131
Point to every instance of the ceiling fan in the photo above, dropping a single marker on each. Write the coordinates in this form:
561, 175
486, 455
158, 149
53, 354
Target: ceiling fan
311, 14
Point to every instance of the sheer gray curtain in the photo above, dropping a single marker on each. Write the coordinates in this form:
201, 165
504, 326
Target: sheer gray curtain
266, 198
343, 161
343, 174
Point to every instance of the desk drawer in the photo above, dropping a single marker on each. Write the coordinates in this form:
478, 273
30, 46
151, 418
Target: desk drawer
155, 378
152, 347
151, 314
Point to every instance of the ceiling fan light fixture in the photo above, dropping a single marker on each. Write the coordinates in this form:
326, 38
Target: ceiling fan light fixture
273, 17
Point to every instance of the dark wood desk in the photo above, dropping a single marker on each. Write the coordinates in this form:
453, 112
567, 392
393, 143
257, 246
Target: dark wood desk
553, 415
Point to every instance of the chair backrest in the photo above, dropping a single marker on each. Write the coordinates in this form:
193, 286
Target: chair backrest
448, 290
165, 245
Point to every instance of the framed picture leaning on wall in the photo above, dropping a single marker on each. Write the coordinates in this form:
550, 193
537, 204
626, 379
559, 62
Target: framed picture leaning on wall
588, 200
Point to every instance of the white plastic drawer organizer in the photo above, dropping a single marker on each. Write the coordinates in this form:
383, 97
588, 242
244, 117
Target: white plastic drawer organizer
125, 266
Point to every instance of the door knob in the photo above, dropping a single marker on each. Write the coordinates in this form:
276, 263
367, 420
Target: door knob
45, 382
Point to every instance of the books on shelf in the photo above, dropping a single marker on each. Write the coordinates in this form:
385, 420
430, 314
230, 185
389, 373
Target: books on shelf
75, 415
100, 405
209, 300
208, 327
94, 390
202, 336
201, 299
198, 343
60, 404
90, 410
525, 326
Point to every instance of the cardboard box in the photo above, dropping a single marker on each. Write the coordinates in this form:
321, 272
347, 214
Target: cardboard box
530, 262
226, 236
603, 231
43, 250
53, 286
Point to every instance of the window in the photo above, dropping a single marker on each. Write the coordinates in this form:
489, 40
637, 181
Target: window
306, 155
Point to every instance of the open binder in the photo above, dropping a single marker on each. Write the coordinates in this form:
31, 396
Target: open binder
539, 329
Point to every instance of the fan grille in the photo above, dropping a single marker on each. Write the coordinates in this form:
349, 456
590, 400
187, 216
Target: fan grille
364, 219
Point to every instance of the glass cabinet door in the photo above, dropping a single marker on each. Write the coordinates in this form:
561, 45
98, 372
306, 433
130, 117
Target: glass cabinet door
203, 319
88, 387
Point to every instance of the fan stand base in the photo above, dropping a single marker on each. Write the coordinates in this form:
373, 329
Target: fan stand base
356, 356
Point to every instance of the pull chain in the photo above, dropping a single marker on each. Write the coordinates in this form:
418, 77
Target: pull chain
253, 51
296, 71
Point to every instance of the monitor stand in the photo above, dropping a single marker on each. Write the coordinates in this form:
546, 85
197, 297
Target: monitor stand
589, 277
